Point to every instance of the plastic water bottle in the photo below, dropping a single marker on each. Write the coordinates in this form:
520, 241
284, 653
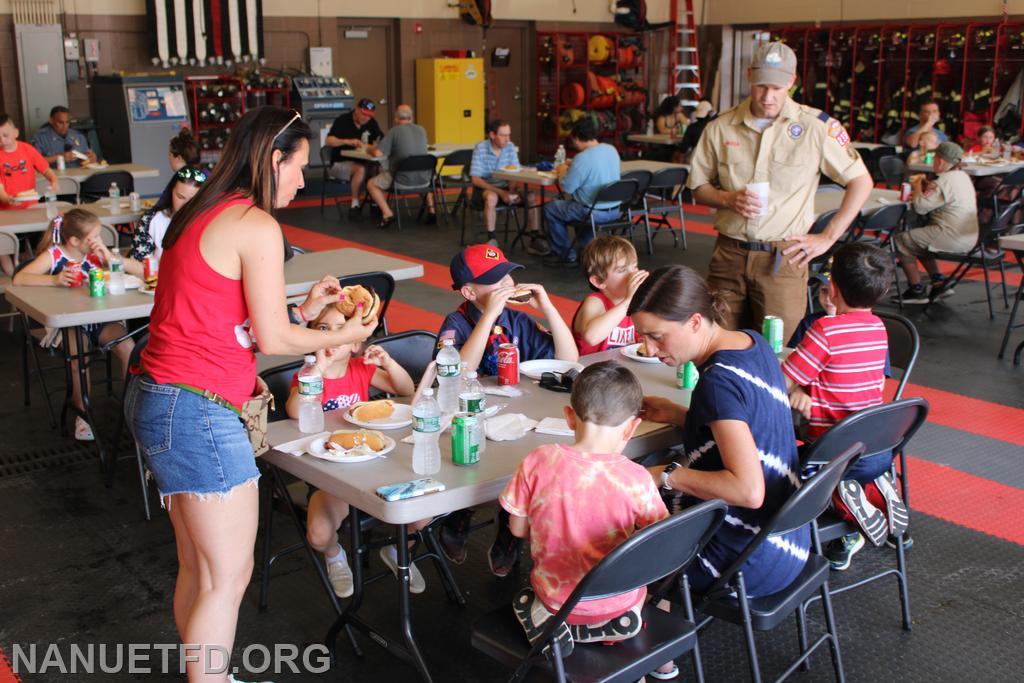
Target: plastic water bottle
51, 205
448, 366
115, 275
560, 155
650, 126
426, 431
115, 198
311, 390
472, 399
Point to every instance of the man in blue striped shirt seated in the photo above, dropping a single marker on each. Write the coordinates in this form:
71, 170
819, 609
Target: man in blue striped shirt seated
496, 153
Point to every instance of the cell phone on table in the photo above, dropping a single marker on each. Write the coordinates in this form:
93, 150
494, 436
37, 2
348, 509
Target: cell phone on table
410, 489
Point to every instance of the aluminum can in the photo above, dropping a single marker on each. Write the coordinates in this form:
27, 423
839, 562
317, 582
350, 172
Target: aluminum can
135, 202
686, 375
76, 270
465, 446
905, 190
508, 364
61, 164
771, 329
97, 283
150, 267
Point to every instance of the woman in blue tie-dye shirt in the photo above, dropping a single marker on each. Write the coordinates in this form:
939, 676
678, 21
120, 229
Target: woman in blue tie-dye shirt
738, 434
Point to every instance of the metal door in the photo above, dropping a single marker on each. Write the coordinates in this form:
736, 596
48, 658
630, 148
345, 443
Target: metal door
41, 71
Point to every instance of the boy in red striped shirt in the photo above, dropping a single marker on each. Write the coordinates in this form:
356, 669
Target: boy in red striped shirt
837, 369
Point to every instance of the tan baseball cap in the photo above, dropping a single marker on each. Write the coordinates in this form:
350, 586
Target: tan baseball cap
773, 64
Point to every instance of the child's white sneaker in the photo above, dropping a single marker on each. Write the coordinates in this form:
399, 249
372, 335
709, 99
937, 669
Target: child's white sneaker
340, 576
83, 432
390, 556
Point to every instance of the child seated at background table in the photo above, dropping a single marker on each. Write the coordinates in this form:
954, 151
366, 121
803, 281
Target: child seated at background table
483, 322
601, 322
70, 248
987, 145
839, 368
928, 143
148, 237
552, 499
347, 381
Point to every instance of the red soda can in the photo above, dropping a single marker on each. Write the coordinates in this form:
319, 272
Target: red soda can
76, 270
150, 267
508, 364
905, 192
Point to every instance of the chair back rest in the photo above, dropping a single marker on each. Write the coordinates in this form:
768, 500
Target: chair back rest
135, 360
893, 169
904, 343
887, 218
97, 185
109, 235
880, 429
822, 221
651, 553
1000, 223
65, 186
872, 159
643, 180
279, 381
9, 245
666, 181
413, 350
460, 157
619, 192
325, 156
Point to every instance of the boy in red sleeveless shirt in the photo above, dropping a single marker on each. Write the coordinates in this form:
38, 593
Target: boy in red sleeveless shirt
601, 322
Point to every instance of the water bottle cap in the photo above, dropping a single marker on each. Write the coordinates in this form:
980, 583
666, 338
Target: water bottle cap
471, 375
310, 358
428, 392
448, 342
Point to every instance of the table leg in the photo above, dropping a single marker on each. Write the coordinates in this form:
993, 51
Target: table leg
1013, 315
68, 380
405, 611
83, 384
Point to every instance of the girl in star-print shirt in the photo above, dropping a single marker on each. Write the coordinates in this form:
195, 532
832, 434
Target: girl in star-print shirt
347, 381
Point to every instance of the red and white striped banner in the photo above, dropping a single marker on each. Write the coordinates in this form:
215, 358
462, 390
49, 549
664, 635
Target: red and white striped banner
205, 32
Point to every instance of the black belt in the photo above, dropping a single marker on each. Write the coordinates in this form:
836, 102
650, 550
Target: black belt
754, 246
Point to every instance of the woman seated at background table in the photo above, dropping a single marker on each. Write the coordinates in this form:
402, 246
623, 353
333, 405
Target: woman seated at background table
148, 238
738, 437
669, 116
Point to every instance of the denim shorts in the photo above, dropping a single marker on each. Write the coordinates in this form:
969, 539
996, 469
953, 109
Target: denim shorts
190, 444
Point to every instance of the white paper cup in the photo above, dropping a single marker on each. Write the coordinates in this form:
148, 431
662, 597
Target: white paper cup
761, 190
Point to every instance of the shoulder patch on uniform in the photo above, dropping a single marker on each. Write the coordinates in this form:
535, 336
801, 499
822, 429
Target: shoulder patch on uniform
795, 130
852, 152
838, 133
823, 117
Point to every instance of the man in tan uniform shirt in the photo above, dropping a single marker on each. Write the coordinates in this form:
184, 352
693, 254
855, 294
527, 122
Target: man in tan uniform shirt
761, 255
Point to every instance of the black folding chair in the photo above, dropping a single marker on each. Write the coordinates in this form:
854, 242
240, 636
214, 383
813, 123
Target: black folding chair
894, 170
727, 598
619, 192
881, 429
871, 159
97, 186
880, 228
475, 202
134, 361
413, 350
408, 178
815, 268
904, 344
651, 554
326, 179
985, 254
380, 282
636, 210
664, 196
461, 159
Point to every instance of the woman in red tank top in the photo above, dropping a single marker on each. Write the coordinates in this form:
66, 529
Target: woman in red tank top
221, 292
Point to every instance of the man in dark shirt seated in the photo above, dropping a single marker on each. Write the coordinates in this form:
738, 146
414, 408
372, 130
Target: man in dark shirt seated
356, 129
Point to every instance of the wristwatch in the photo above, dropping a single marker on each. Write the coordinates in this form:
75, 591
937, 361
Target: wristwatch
672, 467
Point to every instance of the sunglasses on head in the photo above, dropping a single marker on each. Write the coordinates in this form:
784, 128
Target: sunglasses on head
559, 381
295, 116
192, 174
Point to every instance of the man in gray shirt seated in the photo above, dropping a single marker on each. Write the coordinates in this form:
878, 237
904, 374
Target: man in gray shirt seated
405, 139
58, 139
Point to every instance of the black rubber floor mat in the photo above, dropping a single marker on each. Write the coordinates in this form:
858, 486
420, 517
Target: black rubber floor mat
33, 460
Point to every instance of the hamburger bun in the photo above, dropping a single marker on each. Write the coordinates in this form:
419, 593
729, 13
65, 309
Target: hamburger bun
27, 193
348, 439
520, 297
642, 350
373, 411
355, 295
151, 282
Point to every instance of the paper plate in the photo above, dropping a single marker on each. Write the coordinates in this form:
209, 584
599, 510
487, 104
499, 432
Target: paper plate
506, 169
402, 417
630, 352
147, 292
132, 282
535, 368
26, 198
319, 449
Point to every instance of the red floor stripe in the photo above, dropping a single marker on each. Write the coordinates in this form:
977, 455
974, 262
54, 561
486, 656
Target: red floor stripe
966, 500
972, 415
433, 274
402, 317
6, 674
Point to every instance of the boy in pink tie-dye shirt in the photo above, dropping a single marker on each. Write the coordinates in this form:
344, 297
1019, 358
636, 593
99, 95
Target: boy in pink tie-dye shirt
578, 503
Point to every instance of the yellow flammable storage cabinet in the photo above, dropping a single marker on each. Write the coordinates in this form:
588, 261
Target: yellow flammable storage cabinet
450, 99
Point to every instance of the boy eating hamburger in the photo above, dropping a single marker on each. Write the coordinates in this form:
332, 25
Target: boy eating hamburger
483, 322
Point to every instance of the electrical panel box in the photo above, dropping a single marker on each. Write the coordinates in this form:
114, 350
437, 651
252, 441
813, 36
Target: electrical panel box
450, 99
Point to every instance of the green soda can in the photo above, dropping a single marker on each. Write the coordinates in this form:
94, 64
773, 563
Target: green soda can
97, 283
687, 375
771, 329
465, 447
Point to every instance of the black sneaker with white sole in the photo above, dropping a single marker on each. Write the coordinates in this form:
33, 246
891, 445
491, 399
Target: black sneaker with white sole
533, 616
870, 519
913, 295
908, 541
840, 552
